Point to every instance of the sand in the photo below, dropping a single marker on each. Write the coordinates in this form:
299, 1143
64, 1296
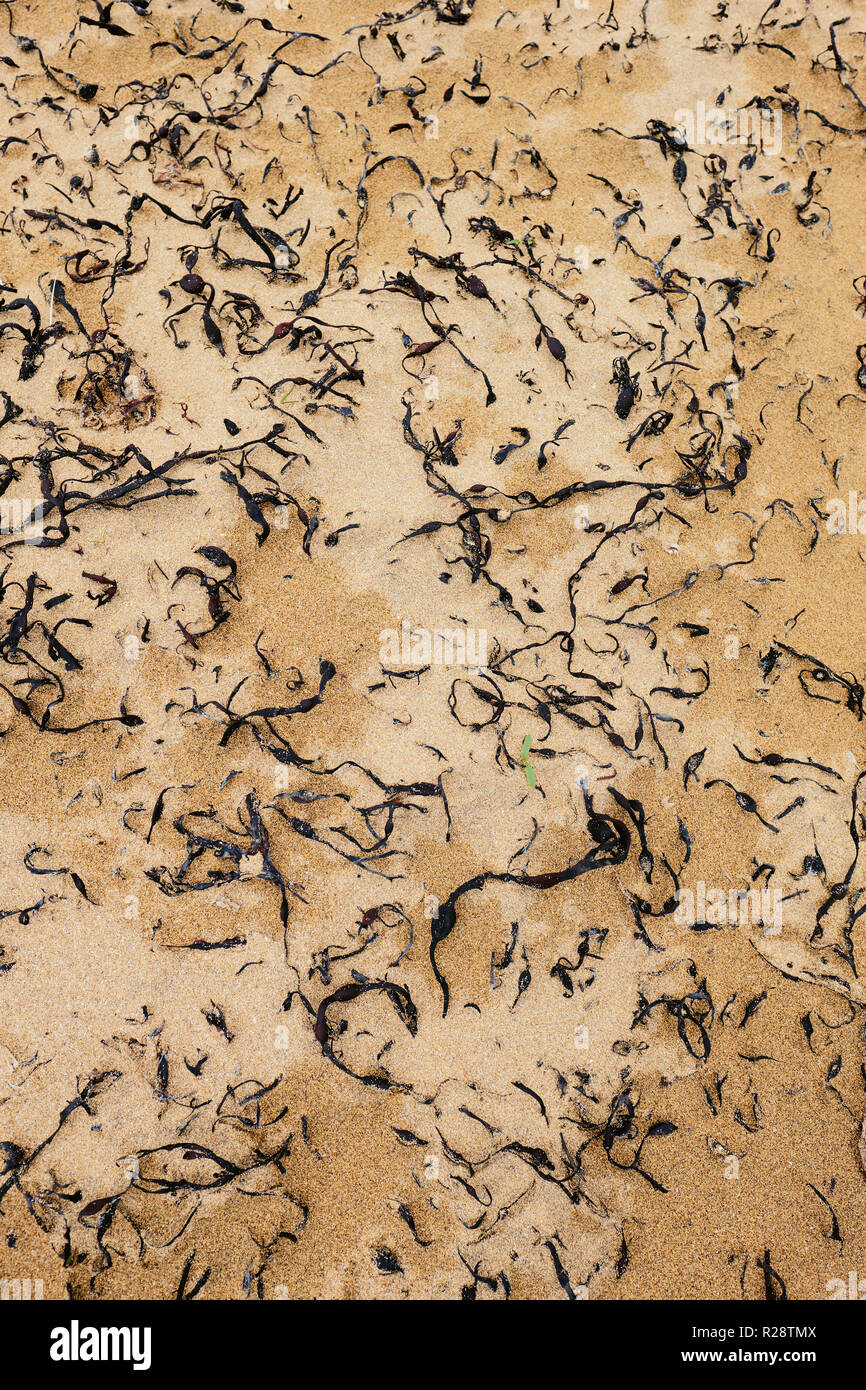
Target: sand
339, 961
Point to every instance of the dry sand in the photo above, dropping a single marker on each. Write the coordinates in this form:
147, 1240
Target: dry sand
417, 260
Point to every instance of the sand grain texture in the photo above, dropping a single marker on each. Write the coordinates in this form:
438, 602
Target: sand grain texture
314, 321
